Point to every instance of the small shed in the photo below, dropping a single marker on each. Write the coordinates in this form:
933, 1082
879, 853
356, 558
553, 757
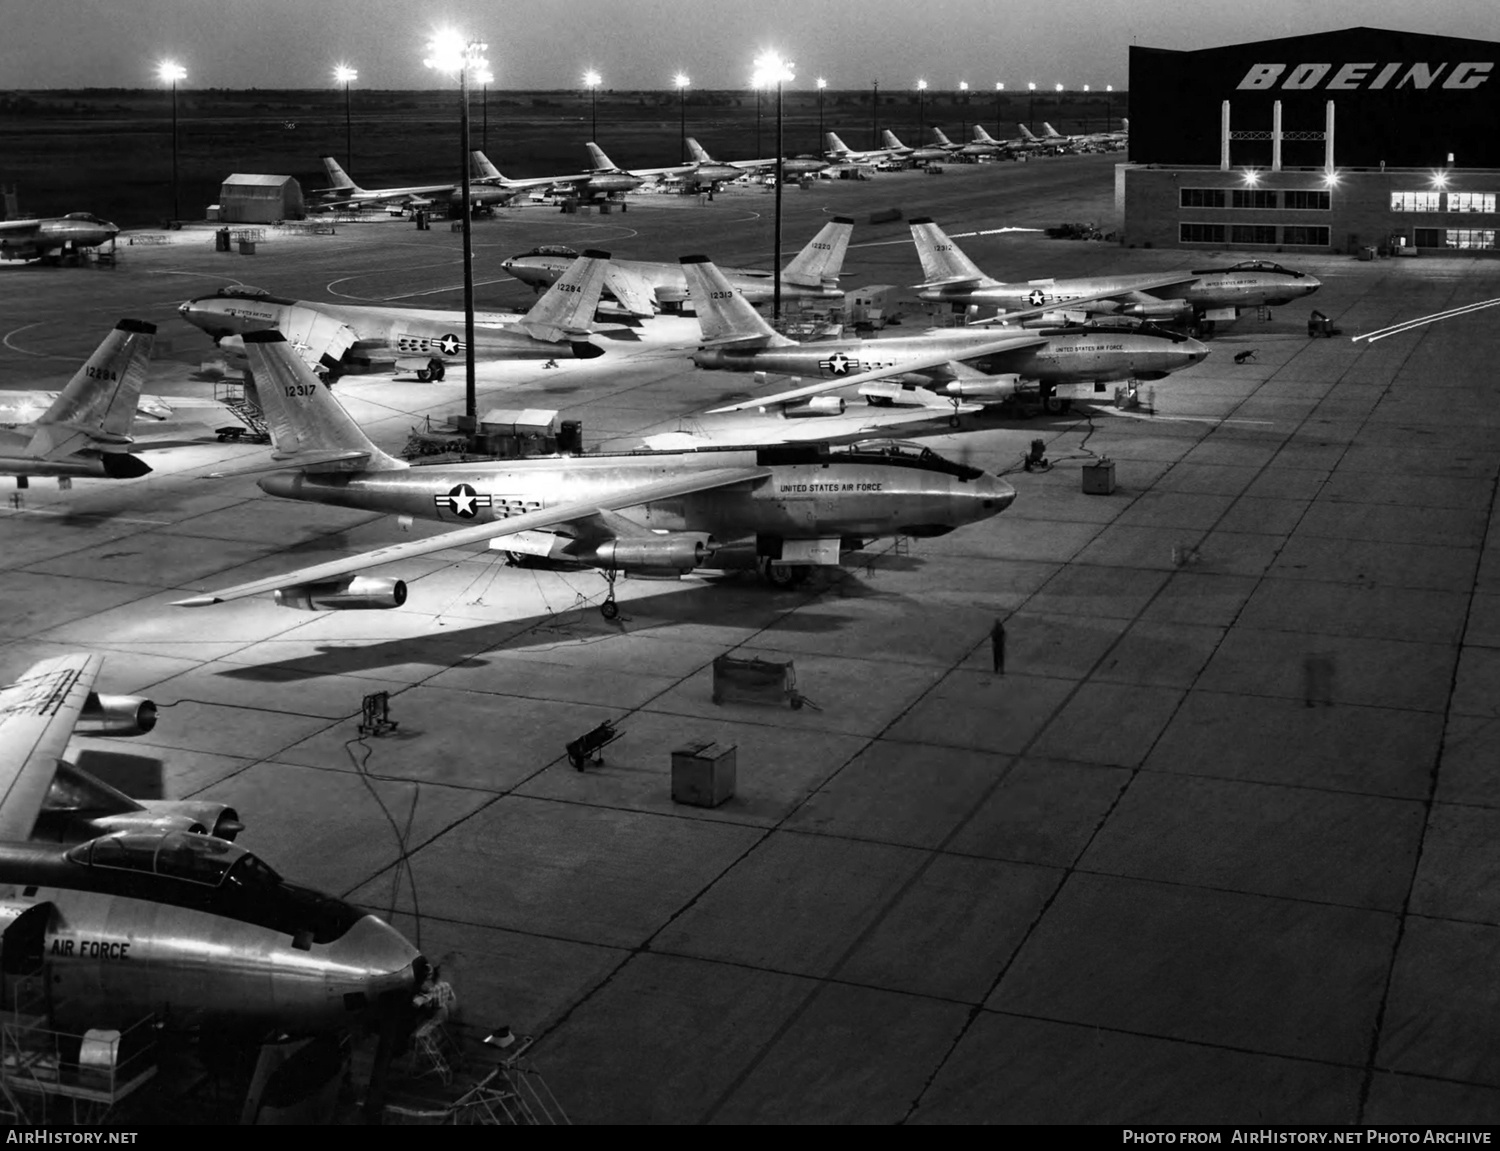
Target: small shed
254, 199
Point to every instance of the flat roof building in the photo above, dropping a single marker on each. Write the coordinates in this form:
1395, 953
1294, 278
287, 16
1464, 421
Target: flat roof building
1342, 141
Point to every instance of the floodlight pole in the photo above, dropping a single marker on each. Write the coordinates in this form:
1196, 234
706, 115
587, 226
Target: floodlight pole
176, 212
484, 104
594, 112
780, 180
757, 121
820, 116
682, 121
470, 400
348, 131
874, 113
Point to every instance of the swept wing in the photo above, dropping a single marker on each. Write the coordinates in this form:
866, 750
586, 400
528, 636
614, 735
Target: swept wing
37, 714
582, 516
914, 364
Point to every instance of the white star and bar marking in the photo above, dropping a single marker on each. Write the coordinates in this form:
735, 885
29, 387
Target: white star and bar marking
450, 344
463, 501
1036, 298
839, 364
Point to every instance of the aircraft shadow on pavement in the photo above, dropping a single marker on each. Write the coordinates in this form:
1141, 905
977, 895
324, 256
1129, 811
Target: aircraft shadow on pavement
464, 646
138, 776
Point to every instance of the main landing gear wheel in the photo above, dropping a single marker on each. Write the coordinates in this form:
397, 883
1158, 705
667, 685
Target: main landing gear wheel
1053, 404
609, 609
784, 575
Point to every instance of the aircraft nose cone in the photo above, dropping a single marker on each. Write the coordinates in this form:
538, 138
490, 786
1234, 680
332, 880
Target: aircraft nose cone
1310, 284
994, 495
1194, 352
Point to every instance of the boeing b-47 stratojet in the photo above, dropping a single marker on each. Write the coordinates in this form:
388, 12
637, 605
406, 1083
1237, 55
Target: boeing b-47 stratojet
985, 366
657, 514
186, 925
343, 192
337, 336
87, 429
812, 274
33, 239
951, 277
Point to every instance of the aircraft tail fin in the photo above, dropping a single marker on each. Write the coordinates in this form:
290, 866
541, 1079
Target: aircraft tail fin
822, 260
338, 179
566, 309
942, 261
835, 145
309, 428
1026, 132
983, 137
1049, 129
480, 167
602, 163
698, 152
1125, 120
890, 140
725, 316
97, 407
10, 204
940, 138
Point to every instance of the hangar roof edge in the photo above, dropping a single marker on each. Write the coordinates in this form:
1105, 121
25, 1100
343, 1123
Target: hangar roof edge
1310, 38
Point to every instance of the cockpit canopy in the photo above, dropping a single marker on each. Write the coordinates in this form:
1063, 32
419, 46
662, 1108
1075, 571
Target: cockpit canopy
549, 250
1252, 266
86, 218
909, 453
178, 855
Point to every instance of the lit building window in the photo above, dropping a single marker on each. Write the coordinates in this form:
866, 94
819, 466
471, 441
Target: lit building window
1471, 202
1471, 238
1415, 201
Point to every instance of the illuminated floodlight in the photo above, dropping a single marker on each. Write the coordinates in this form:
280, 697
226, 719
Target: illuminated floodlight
772, 69
1031, 87
963, 85
921, 85
1252, 177
999, 87
1331, 179
450, 51
681, 80
1085, 87
483, 75
1440, 179
1059, 87
169, 72
822, 83
343, 74
1109, 87
592, 79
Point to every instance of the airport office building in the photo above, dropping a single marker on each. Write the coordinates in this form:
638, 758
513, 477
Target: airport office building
1339, 141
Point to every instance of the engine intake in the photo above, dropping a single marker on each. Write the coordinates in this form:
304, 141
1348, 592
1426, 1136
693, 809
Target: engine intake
354, 593
656, 555
115, 715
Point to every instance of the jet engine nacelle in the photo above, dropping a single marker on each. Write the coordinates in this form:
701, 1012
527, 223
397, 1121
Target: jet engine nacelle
1161, 310
993, 388
352, 593
115, 715
815, 406
80, 806
656, 555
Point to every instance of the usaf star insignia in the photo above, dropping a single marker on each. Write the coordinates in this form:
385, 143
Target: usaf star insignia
463, 501
1037, 298
450, 344
838, 364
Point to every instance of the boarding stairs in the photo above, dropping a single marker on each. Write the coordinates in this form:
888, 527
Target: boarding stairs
237, 396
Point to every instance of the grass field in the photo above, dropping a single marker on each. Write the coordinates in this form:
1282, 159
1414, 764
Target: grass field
109, 151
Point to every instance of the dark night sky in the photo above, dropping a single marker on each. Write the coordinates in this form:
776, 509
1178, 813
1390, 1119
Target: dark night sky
642, 43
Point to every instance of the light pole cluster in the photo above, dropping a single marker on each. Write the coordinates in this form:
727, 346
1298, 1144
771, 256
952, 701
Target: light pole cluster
963, 115
921, 110
169, 72
454, 53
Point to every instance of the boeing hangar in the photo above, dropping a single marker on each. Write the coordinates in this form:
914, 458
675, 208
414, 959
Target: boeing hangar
1359, 141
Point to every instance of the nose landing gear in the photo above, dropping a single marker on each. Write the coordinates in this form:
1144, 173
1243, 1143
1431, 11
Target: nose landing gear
609, 609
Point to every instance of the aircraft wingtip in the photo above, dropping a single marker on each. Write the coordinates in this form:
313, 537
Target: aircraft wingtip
197, 601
